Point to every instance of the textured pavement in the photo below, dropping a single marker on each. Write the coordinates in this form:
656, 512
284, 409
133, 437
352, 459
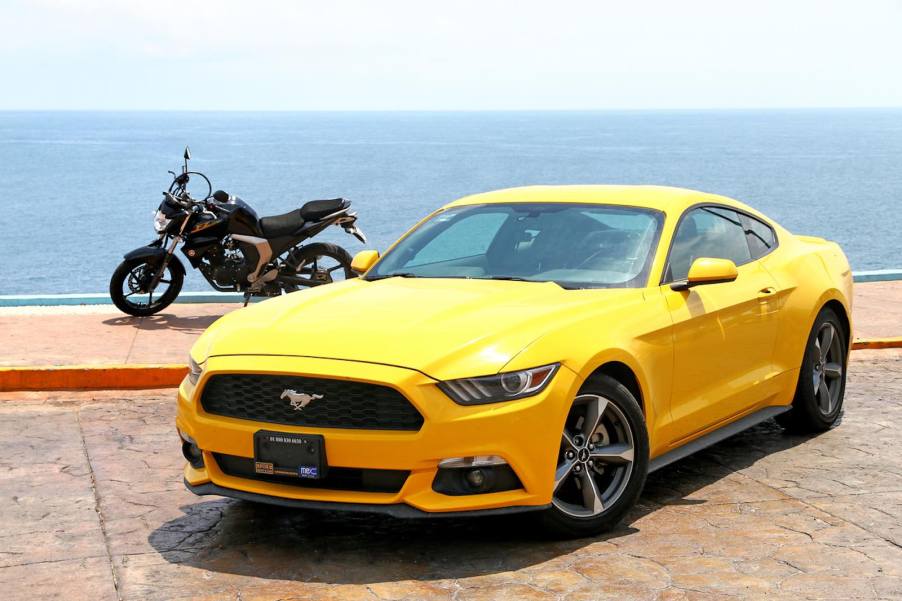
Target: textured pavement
100, 334
92, 507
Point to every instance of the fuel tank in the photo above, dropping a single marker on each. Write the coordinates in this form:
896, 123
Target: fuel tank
242, 218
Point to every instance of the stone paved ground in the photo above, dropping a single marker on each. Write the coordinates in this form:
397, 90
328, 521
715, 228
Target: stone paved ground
92, 507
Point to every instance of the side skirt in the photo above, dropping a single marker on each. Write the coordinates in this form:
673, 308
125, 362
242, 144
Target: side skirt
716, 436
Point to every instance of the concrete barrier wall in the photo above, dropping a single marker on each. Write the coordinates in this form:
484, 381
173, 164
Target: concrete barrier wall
57, 300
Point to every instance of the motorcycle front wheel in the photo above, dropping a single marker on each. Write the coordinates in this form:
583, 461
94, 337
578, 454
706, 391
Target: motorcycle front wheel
131, 281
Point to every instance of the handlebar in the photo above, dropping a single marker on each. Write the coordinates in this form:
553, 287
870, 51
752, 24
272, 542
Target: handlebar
179, 186
184, 200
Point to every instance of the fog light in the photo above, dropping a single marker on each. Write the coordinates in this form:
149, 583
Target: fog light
476, 478
191, 451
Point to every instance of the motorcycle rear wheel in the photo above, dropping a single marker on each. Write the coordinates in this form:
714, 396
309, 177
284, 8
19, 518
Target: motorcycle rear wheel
131, 280
319, 263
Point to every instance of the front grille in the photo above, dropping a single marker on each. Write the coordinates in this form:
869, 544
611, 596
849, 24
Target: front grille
337, 478
344, 404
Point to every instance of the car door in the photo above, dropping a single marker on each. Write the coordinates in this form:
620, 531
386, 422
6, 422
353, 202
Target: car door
723, 333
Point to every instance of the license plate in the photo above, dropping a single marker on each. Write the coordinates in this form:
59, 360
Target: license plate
292, 455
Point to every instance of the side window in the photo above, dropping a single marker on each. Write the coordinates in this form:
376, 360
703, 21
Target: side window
468, 236
707, 232
761, 237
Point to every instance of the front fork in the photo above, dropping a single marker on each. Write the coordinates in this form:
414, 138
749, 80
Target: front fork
175, 242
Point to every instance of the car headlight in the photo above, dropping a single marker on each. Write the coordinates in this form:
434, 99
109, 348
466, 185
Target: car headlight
500, 387
195, 369
160, 222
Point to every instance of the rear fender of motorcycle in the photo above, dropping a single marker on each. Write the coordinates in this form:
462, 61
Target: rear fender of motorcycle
154, 254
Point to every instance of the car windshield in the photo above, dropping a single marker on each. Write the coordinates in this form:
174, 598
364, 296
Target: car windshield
574, 245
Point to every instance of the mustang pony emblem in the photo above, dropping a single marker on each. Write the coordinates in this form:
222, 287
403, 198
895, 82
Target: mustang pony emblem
299, 400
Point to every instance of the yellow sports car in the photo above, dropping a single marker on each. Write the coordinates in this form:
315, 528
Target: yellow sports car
531, 349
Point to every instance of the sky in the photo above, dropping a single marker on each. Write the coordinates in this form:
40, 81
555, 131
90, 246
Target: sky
450, 55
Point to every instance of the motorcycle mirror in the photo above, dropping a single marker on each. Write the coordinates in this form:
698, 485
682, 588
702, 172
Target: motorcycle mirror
187, 153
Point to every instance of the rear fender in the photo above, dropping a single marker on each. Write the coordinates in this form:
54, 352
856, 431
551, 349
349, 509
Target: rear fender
812, 272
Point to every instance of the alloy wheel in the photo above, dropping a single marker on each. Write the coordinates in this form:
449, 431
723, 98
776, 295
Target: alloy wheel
828, 368
595, 459
136, 289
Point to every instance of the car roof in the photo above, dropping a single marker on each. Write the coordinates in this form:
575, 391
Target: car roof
664, 198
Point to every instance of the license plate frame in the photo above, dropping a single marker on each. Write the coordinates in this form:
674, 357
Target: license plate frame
301, 456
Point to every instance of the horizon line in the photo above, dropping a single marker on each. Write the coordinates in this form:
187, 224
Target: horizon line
460, 110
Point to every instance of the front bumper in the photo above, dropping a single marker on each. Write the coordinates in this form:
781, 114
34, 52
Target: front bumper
526, 433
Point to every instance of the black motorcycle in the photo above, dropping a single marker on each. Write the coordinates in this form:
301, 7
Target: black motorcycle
234, 249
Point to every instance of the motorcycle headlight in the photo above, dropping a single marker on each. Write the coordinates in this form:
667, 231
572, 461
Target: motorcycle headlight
195, 369
500, 387
160, 222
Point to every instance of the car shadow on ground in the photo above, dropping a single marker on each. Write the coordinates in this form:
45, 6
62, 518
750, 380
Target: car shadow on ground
235, 537
164, 321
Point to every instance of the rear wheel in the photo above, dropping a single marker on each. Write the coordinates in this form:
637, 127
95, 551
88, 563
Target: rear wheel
318, 263
130, 286
602, 461
822, 379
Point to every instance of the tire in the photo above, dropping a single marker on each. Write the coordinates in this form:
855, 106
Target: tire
129, 275
619, 445
301, 261
818, 400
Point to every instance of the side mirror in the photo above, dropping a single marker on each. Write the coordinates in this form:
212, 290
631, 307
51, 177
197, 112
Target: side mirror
706, 270
364, 260
187, 153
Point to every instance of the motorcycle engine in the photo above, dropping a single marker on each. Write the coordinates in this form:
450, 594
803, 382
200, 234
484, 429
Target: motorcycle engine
230, 268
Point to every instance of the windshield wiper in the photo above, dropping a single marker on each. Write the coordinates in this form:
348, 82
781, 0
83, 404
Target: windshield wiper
513, 278
510, 278
392, 275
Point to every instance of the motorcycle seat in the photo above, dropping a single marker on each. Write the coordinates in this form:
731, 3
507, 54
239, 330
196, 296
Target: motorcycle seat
286, 224
277, 226
317, 209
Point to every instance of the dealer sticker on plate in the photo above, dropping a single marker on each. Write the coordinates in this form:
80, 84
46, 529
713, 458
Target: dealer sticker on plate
308, 471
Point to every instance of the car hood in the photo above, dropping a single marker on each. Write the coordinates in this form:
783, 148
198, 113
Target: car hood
445, 328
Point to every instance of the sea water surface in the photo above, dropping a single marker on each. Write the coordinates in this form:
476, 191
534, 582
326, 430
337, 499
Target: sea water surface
79, 188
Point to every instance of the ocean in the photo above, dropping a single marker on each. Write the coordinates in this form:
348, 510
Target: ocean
79, 188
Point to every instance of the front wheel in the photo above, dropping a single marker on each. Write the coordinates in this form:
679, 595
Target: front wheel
130, 286
601, 463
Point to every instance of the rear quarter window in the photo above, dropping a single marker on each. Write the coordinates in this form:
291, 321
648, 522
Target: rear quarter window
761, 237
